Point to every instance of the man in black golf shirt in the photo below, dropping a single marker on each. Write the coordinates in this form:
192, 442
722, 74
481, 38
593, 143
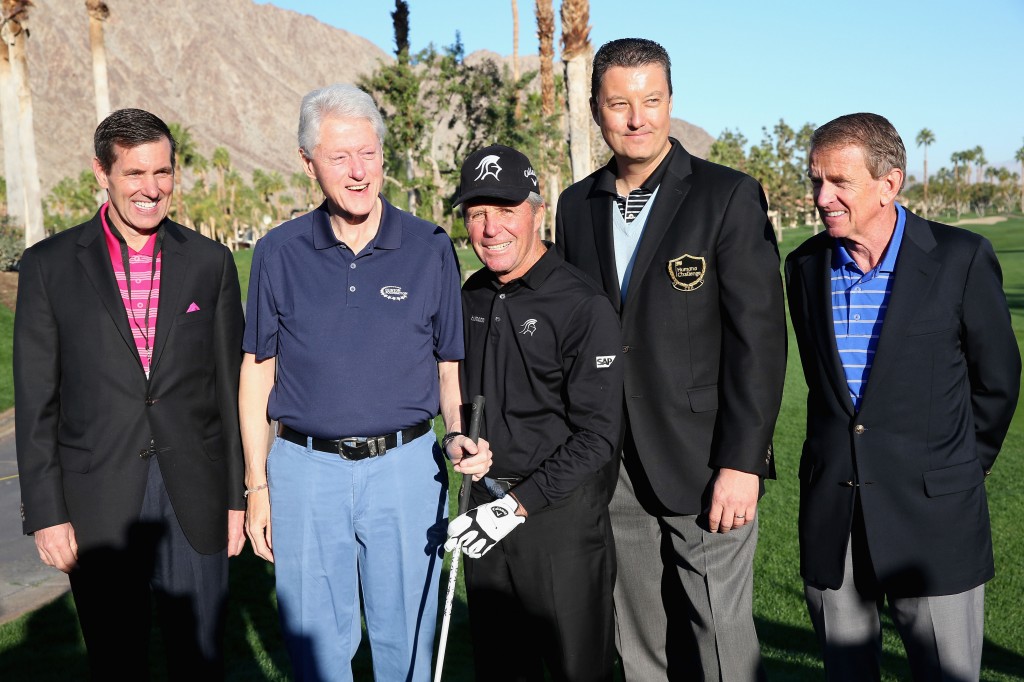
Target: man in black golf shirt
541, 345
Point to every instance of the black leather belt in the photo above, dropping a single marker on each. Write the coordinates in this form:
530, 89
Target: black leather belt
356, 448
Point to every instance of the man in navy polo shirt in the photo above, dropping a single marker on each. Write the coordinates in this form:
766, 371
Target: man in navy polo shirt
352, 342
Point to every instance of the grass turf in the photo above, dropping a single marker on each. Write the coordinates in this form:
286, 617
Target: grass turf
46, 644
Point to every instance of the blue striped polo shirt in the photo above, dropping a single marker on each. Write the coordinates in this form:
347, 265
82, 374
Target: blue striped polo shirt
859, 302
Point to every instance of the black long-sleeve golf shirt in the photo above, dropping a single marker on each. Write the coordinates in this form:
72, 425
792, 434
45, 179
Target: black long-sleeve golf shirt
543, 351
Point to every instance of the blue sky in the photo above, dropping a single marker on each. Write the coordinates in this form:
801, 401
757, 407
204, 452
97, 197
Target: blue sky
954, 66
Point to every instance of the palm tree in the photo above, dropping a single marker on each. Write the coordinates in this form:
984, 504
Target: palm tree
185, 153
221, 161
546, 49
98, 13
1019, 157
979, 160
15, 198
925, 138
15, 34
576, 53
515, 56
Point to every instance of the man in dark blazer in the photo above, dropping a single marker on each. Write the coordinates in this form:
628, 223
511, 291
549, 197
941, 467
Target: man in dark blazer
913, 374
126, 387
686, 253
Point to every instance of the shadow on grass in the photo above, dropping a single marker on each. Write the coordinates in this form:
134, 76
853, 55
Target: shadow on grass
50, 647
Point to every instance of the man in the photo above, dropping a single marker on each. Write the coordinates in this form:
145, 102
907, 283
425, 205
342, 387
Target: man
541, 346
126, 359
353, 312
913, 375
686, 253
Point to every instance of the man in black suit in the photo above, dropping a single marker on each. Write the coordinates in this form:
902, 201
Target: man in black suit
913, 374
127, 347
686, 253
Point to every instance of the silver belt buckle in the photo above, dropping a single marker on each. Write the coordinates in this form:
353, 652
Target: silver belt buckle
377, 445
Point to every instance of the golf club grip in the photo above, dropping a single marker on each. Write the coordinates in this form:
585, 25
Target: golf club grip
476, 415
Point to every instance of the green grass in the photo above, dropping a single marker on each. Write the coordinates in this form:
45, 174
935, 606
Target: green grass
45, 645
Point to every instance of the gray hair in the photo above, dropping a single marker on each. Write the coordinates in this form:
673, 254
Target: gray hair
873, 134
340, 100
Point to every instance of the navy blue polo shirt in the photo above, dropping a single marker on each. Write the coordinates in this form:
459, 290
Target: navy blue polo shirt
357, 337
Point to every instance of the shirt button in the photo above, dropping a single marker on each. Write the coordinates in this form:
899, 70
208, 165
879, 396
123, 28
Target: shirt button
855, 288
625, 349
497, 319
856, 317
859, 429
351, 288
501, 295
149, 401
353, 266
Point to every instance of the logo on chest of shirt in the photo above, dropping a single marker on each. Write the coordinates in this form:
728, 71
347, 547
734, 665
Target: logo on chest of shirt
605, 361
394, 293
477, 318
528, 327
687, 272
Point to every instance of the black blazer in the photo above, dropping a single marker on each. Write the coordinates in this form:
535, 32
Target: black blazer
83, 411
942, 389
704, 362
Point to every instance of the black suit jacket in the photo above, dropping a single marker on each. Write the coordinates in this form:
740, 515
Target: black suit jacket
83, 410
704, 365
942, 389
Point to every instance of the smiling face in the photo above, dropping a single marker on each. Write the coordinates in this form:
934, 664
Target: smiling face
505, 236
633, 108
139, 185
348, 164
852, 204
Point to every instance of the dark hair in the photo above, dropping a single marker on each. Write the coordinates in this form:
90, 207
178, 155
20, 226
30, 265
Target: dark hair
630, 53
128, 128
883, 148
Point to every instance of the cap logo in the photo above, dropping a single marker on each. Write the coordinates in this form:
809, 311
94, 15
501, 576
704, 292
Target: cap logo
487, 166
530, 173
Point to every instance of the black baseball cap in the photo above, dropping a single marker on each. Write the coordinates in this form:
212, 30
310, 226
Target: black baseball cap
496, 172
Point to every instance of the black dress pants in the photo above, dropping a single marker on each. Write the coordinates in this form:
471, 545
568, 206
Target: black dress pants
543, 595
114, 587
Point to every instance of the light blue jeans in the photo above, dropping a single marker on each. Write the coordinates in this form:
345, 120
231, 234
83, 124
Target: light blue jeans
378, 524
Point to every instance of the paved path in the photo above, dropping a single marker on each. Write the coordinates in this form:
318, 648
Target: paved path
25, 583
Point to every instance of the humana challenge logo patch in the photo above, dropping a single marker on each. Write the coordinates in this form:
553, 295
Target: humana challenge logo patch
394, 293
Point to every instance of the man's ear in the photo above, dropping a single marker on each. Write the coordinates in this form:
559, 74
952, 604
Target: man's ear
595, 111
101, 175
307, 165
891, 184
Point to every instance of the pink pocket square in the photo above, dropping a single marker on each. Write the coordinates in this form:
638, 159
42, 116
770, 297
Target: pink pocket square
193, 308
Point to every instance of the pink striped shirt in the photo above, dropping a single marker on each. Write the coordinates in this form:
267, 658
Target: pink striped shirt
145, 292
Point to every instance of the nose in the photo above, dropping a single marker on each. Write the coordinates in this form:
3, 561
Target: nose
823, 195
491, 226
637, 119
357, 168
150, 186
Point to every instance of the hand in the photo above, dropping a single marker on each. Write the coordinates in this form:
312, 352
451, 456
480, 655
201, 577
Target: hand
470, 458
57, 546
733, 500
481, 528
236, 531
257, 524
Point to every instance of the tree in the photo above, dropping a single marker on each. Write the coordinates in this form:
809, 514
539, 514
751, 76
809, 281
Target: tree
924, 138
221, 161
728, 150
15, 34
98, 13
15, 195
1019, 157
576, 53
185, 153
552, 148
979, 160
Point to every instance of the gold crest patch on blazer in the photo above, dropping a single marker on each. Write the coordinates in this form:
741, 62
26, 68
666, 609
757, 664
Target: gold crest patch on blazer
687, 272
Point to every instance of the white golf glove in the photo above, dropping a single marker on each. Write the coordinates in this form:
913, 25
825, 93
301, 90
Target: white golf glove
481, 528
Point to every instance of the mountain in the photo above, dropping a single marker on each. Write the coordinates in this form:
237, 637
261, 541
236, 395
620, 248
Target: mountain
233, 71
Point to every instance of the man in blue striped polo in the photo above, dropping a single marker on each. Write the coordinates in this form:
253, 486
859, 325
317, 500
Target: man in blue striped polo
913, 374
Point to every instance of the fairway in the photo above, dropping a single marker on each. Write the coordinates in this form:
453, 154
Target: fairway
46, 645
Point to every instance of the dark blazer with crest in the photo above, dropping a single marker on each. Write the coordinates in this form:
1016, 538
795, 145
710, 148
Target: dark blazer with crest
942, 389
84, 410
703, 324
